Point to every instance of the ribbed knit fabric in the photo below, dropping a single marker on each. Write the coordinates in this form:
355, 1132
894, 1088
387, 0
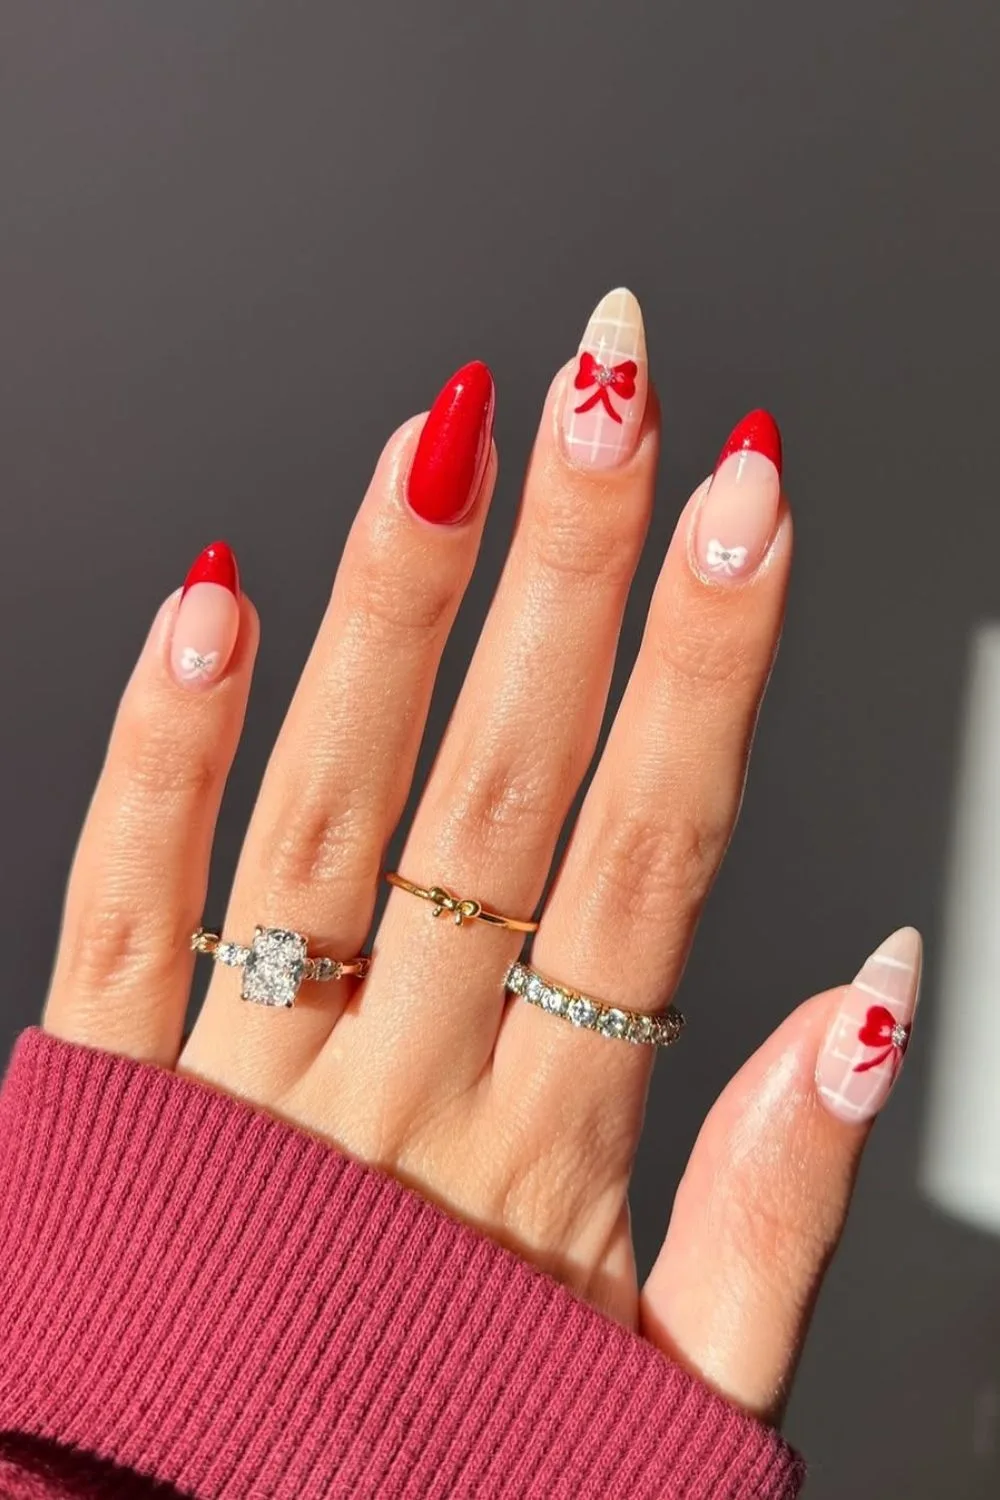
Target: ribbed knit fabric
195, 1292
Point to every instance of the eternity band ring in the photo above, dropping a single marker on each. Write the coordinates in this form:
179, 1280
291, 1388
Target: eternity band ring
660, 1030
276, 964
461, 909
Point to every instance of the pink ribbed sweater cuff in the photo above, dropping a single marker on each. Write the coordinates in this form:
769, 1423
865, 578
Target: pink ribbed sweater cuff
198, 1293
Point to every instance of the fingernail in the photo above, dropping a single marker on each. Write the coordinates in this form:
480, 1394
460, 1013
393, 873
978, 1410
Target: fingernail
604, 405
208, 618
448, 467
863, 1051
736, 520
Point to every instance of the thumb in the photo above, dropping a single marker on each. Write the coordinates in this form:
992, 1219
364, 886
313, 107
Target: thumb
763, 1200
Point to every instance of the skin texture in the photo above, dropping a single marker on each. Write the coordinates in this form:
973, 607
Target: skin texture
520, 1123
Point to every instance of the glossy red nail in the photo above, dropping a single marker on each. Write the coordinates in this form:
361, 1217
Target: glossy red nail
451, 457
217, 564
757, 433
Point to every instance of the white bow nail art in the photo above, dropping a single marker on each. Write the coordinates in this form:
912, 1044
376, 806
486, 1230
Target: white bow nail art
724, 559
194, 664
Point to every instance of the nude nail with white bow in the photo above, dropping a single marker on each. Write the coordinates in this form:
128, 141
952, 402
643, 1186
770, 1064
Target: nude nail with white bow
605, 400
208, 618
736, 521
864, 1048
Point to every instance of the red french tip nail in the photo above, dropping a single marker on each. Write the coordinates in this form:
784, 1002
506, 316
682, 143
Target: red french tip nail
758, 433
217, 564
454, 447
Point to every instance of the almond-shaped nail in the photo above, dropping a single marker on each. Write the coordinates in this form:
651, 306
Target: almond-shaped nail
606, 398
208, 618
447, 471
863, 1051
736, 521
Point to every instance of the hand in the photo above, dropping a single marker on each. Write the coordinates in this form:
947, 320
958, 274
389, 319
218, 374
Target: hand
506, 1116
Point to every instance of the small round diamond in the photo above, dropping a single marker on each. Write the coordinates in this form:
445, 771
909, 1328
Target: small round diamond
517, 980
898, 1035
643, 1029
231, 953
537, 990
669, 1026
556, 1002
581, 1011
613, 1023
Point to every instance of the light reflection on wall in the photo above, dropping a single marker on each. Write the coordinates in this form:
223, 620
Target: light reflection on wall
961, 1160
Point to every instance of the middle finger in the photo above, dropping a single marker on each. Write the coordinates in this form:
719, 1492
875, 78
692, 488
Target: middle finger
530, 711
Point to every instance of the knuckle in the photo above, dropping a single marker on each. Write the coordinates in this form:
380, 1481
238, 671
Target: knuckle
604, 546
505, 799
657, 862
550, 1191
115, 946
541, 1196
330, 843
704, 660
393, 602
153, 759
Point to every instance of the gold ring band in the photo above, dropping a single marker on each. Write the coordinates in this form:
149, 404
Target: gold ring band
461, 909
660, 1030
276, 964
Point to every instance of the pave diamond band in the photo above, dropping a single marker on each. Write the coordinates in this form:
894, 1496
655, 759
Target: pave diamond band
610, 1020
276, 964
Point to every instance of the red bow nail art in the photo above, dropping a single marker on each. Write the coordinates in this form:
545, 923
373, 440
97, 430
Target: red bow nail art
883, 1031
620, 378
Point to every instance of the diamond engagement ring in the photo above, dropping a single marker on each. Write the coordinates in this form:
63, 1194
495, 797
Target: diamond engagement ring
276, 964
626, 1025
461, 910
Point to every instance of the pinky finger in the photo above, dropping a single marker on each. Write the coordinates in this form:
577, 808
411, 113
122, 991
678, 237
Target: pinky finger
766, 1192
136, 891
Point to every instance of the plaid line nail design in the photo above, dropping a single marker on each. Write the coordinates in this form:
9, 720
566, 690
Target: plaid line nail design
604, 404
864, 1049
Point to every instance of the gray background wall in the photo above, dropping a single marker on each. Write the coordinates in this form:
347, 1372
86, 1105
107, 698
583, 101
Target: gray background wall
240, 241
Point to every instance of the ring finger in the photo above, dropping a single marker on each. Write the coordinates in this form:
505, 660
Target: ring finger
340, 771
661, 808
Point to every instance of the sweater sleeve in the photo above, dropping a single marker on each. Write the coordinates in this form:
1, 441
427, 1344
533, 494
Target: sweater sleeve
195, 1294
